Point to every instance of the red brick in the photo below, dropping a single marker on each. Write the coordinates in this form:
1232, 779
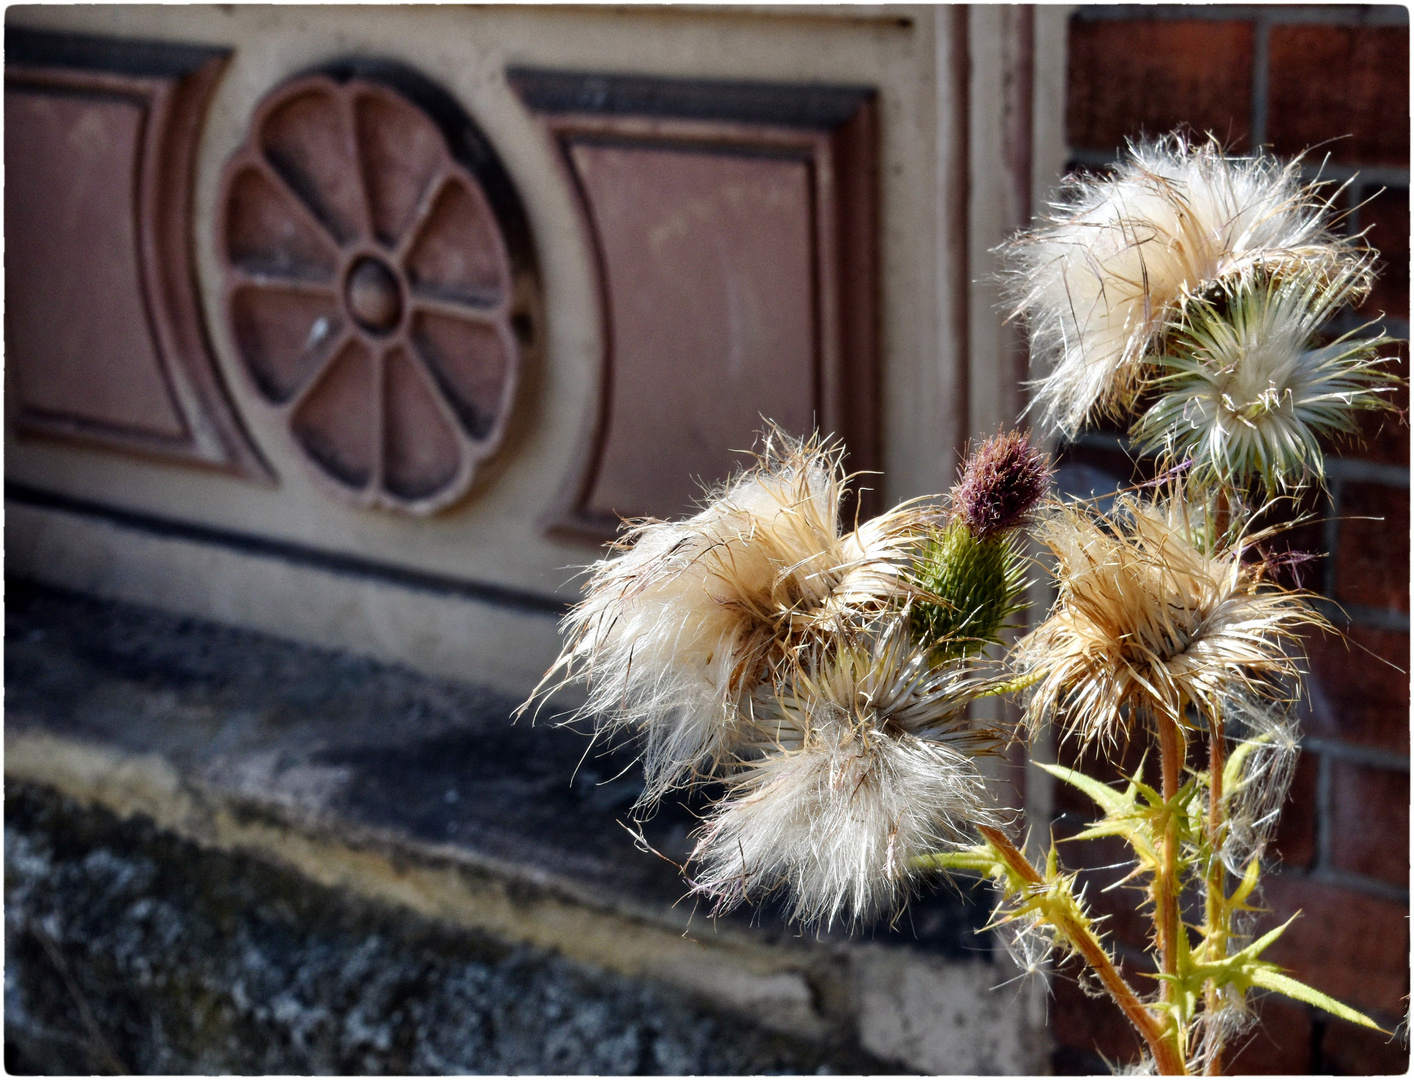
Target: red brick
1133, 76
1360, 692
1347, 944
1369, 814
1350, 1050
1326, 82
1296, 555
1372, 556
1386, 216
1296, 829
1090, 1023
1280, 1044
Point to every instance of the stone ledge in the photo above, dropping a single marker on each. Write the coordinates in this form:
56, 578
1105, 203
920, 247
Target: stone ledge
129, 950
407, 790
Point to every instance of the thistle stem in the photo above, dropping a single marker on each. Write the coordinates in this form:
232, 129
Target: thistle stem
1215, 907
1216, 916
1093, 953
1172, 747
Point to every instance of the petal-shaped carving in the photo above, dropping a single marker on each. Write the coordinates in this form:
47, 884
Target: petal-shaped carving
422, 454
267, 232
284, 334
368, 288
458, 254
403, 155
336, 423
308, 142
469, 360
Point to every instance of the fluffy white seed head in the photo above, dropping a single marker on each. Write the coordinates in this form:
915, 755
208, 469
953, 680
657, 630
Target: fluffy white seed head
682, 624
1146, 623
1098, 278
871, 767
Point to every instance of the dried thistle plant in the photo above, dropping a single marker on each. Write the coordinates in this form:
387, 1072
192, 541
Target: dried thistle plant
825, 673
1199, 285
681, 625
862, 765
1246, 388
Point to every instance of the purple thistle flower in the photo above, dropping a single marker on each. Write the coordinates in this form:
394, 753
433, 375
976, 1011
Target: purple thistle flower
999, 485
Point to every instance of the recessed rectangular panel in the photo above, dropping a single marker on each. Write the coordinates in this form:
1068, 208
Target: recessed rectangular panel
76, 329
105, 341
733, 227
710, 278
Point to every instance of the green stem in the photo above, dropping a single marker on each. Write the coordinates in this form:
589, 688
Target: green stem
1172, 751
1216, 913
1021, 682
1083, 940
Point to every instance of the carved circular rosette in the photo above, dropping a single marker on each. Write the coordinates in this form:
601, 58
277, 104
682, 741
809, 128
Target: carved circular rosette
370, 289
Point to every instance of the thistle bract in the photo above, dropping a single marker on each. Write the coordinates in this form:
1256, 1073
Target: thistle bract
1246, 389
973, 587
1001, 483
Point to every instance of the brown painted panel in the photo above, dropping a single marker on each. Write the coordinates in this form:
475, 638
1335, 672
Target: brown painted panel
71, 248
734, 227
103, 333
698, 366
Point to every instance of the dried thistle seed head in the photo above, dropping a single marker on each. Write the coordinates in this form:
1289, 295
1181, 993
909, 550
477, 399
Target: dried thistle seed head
865, 765
1147, 623
1000, 484
1246, 391
680, 625
1098, 279
972, 586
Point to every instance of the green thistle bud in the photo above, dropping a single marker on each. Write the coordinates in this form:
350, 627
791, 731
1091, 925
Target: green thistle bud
978, 583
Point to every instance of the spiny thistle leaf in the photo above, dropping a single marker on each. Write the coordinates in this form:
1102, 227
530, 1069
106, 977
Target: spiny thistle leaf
1293, 988
1245, 969
1108, 799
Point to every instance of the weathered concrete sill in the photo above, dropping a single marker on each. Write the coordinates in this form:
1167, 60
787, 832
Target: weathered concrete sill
392, 788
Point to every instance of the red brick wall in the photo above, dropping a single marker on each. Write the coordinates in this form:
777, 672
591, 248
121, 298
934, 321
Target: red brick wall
1292, 78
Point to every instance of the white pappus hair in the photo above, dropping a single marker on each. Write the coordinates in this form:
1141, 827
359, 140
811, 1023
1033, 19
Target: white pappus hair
872, 767
688, 618
1097, 280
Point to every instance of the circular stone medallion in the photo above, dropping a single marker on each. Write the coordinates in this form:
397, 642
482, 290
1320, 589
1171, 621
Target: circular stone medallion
370, 290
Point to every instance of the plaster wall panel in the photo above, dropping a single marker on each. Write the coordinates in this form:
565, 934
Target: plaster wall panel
698, 368
734, 226
493, 535
102, 330
78, 178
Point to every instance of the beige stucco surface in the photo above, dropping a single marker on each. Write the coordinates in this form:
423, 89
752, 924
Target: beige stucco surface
494, 534
941, 379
